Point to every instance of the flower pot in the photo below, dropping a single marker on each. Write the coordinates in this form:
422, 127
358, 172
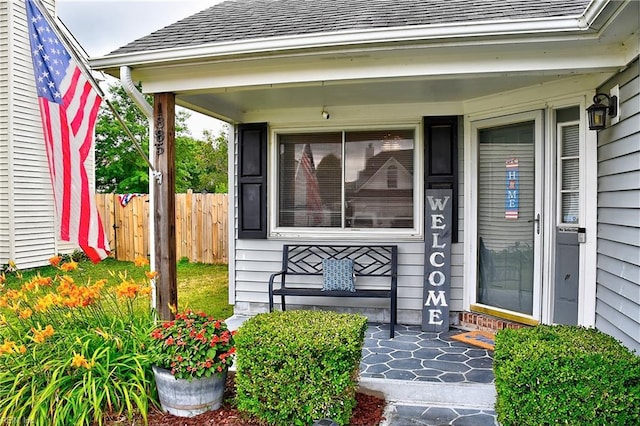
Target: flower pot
185, 398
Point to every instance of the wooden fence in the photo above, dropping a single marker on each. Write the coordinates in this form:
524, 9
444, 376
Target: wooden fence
201, 226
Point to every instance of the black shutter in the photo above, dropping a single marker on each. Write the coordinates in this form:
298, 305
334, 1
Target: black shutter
252, 181
441, 160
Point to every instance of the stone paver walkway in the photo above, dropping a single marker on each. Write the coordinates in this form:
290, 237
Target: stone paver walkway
417, 356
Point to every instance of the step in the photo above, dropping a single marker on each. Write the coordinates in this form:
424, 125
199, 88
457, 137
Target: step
472, 395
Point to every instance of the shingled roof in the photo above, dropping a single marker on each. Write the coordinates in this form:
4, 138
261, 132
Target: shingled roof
258, 19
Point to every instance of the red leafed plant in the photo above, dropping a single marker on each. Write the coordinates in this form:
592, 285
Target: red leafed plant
193, 345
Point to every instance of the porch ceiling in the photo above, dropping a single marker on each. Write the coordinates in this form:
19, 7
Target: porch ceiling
232, 102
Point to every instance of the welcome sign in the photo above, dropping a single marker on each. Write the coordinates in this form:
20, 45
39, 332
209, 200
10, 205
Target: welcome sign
437, 262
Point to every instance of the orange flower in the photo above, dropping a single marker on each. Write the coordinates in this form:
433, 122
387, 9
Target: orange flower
69, 266
40, 336
43, 303
14, 295
55, 260
25, 313
74, 296
79, 360
45, 281
7, 347
151, 274
141, 261
36, 282
129, 289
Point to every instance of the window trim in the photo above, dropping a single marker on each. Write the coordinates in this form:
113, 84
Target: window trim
415, 233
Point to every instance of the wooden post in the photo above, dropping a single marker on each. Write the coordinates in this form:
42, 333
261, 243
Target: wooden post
165, 204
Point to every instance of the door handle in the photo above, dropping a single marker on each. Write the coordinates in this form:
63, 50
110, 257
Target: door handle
537, 221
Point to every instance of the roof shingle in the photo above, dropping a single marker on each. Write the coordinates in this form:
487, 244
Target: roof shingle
235, 20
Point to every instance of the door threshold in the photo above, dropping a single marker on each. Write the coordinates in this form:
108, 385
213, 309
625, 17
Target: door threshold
504, 314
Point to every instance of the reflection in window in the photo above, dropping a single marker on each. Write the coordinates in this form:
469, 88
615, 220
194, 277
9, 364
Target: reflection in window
371, 187
392, 177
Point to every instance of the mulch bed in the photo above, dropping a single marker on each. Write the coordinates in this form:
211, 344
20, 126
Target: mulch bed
367, 412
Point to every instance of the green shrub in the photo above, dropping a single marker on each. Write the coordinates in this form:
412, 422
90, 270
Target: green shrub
295, 367
565, 375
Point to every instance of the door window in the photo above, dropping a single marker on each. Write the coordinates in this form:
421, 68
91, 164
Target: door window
506, 206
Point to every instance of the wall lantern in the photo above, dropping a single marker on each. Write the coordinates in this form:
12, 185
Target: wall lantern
598, 112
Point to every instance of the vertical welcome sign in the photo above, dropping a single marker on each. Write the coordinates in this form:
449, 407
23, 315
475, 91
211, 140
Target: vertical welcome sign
437, 262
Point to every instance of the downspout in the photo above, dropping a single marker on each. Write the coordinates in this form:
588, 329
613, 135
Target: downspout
147, 110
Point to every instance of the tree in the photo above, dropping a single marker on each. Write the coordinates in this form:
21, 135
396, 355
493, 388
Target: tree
200, 165
119, 166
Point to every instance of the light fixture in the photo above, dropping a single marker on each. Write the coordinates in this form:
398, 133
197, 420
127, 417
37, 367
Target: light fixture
325, 114
598, 112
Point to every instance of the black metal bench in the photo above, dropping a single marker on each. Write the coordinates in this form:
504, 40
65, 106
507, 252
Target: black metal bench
368, 261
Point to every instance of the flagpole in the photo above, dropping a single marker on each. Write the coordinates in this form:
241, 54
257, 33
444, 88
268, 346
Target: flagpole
128, 131
87, 72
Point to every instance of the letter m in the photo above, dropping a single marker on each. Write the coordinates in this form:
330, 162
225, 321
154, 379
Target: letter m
439, 300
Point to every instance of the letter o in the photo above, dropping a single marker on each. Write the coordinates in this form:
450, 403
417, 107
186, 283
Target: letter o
440, 276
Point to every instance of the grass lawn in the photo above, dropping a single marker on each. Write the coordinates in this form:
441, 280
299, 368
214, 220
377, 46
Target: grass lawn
200, 286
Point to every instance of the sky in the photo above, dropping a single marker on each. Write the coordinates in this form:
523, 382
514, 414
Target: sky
102, 26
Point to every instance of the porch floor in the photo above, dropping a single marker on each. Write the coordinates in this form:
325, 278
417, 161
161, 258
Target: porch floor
428, 378
418, 356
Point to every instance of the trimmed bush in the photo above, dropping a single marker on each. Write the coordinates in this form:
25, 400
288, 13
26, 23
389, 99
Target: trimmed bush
295, 367
549, 375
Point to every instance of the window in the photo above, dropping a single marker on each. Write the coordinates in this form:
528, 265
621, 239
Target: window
569, 176
392, 177
351, 179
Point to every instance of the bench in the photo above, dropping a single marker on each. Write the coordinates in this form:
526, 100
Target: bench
368, 261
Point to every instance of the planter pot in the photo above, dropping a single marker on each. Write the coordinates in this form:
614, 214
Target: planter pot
185, 398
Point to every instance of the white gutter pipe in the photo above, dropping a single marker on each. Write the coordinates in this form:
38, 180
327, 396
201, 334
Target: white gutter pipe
147, 110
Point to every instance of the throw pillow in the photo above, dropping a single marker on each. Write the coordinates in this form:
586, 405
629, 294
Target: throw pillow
337, 274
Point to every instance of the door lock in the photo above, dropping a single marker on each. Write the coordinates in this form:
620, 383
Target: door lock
537, 221
582, 235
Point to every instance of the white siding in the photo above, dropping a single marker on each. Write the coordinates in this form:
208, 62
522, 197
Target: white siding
4, 133
26, 200
618, 275
255, 260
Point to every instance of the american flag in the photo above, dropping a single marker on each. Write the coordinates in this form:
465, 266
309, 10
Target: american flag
68, 108
126, 198
312, 190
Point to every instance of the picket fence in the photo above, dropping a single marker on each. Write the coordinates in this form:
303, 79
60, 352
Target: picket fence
201, 226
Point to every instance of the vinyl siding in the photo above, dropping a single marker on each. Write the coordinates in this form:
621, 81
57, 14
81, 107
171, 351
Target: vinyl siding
4, 133
618, 266
255, 260
26, 200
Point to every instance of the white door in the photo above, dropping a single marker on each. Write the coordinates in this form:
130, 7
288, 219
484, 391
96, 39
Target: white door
507, 208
